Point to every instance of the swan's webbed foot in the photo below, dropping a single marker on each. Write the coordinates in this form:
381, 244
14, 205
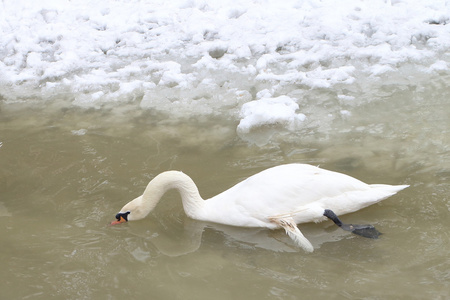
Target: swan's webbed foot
367, 231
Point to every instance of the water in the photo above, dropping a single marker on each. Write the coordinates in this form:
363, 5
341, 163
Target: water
66, 171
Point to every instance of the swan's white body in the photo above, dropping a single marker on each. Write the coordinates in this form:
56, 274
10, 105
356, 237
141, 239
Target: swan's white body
281, 196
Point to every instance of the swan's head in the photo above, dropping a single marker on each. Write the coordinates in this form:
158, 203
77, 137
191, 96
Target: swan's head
133, 210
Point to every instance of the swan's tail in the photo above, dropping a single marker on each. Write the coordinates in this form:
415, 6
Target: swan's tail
389, 189
355, 200
361, 199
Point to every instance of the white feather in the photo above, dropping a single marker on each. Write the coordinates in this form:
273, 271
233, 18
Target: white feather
292, 193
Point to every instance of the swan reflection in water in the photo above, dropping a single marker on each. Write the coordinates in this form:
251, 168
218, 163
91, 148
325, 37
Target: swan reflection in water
177, 235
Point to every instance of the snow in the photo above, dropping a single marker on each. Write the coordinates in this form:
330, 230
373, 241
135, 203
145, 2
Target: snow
187, 57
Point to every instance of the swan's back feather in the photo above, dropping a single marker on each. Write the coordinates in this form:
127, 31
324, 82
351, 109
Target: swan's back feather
300, 191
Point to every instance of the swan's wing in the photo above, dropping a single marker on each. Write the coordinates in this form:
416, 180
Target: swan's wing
299, 191
293, 232
290, 188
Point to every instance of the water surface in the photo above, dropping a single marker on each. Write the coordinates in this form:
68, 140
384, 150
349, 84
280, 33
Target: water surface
65, 172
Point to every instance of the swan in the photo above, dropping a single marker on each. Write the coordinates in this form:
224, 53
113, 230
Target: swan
279, 197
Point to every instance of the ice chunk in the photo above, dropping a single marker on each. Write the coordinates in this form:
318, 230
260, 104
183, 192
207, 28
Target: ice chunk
270, 111
79, 132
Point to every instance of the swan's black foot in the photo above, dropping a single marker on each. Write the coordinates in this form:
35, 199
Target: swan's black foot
367, 231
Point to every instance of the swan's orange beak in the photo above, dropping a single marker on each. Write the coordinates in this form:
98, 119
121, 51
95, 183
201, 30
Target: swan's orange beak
121, 219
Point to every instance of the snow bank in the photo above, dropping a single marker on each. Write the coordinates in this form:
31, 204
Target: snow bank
205, 57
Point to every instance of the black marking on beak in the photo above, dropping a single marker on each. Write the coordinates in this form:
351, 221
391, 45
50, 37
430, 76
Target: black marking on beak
123, 215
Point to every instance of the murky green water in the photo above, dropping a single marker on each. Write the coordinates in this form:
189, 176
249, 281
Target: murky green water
65, 172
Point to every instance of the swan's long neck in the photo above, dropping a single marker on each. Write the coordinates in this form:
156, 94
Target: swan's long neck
192, 201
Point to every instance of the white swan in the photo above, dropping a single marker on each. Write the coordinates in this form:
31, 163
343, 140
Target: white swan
281, 196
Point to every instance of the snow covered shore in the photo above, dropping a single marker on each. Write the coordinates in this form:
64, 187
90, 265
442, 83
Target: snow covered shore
207, 57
